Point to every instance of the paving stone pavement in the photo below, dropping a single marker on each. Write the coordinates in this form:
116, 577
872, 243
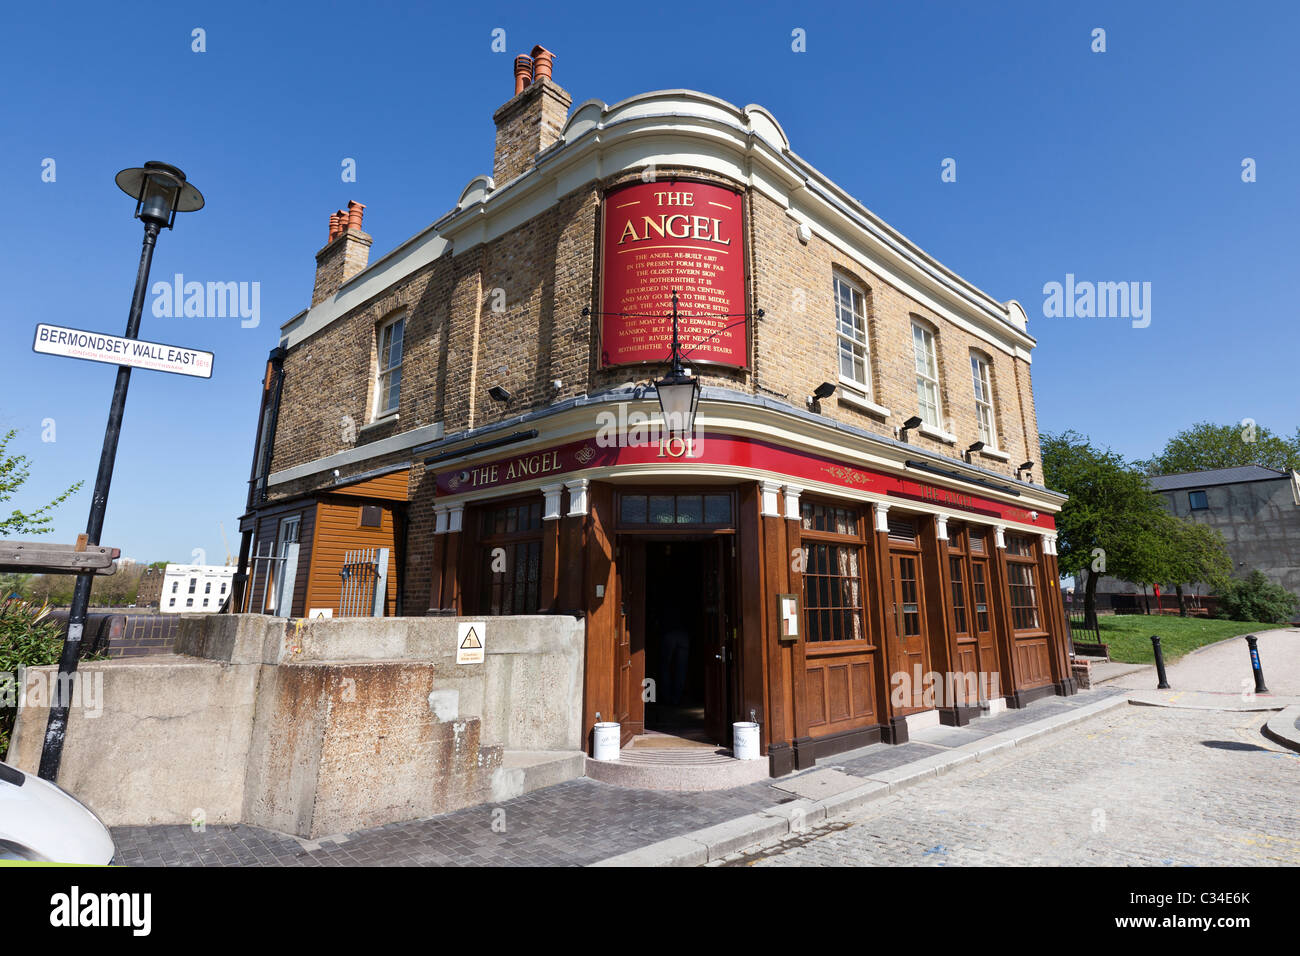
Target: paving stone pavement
575, 823
1139, 786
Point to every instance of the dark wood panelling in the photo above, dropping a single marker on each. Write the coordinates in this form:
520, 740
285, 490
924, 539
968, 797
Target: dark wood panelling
839, 691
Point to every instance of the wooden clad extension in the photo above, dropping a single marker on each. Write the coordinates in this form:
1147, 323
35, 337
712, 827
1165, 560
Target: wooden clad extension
339, 529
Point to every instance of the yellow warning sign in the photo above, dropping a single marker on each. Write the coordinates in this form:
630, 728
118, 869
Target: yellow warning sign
470, 636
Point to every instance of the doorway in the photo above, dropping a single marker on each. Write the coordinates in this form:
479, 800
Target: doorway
687, 639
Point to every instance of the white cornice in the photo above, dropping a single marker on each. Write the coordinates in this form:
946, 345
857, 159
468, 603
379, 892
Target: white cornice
759, 422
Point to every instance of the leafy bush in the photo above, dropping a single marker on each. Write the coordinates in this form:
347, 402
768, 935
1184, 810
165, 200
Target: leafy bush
1254, 598
28, 638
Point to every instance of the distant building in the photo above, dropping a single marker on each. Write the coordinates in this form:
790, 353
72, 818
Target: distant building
195, 588
1256, 509
151, 587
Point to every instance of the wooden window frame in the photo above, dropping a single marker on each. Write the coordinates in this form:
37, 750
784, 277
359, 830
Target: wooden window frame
862, 540
957, 558
484, 543
692, 529
1029, 562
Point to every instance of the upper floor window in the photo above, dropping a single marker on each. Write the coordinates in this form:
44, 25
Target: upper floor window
927, 376
388, 384
851, 322
1197, 500
983, 383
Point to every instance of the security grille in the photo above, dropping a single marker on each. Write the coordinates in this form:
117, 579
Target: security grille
364, 584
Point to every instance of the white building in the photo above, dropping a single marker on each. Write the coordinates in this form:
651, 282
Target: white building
195, 588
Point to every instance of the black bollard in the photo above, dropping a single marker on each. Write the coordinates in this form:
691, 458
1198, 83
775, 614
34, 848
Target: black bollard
1254, 664
1160, 663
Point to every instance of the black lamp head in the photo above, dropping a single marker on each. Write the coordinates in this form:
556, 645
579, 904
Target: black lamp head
976, 446
913, 422
499, 394
160, 191
824, 390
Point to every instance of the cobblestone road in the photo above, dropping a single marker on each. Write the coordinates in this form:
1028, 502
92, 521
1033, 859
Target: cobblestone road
1141, 786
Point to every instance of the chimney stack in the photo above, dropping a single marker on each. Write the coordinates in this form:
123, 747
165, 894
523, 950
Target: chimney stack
345, 254
532, 119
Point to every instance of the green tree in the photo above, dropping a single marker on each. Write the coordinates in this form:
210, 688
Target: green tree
13, 583
1106, 527
14, 470
1204, 447
1198, 556
52, 589
117, 589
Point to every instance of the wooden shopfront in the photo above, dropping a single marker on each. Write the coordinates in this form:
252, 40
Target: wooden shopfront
898, 581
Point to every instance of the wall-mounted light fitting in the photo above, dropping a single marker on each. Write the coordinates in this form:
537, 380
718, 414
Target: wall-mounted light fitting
824, 390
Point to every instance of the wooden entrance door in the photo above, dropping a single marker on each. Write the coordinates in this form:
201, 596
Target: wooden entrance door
909, 621
629, 640
719, 646
981, 615
966, 669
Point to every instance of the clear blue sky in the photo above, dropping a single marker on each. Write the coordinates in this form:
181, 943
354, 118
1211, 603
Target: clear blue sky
1120, 166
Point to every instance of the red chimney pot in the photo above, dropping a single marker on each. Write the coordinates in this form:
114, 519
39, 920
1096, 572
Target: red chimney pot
543, 61
523, 73
355, 211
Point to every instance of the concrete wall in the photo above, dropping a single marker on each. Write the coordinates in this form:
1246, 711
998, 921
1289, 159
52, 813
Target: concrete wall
1260, 524
313, 727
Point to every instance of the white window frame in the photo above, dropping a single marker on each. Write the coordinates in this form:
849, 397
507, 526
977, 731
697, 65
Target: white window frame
982, 383
852, 343
386, 368
926, 351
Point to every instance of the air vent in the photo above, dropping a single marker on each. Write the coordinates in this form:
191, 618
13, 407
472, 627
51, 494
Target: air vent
902, 529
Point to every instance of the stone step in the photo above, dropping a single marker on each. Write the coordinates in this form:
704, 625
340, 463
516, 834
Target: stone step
677, 768
523, 771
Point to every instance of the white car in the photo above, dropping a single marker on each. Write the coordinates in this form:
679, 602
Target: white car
41, 822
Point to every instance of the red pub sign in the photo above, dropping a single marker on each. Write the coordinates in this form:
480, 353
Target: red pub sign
662, 236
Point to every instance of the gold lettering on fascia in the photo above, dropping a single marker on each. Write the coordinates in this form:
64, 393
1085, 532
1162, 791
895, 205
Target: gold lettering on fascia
677, 447
943, 496
675, 226
524, 467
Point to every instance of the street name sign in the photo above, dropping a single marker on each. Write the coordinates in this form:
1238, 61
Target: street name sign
115, 350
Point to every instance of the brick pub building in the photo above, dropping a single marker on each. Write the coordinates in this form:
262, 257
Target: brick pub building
469, 425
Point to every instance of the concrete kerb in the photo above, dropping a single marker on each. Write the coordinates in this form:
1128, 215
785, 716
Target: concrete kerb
1281, 728
713, 843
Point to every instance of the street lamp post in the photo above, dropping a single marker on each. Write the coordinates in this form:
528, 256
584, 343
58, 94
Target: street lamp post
160, 192
678, 391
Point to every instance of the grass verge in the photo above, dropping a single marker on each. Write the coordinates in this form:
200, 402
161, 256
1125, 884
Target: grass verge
1129, 635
